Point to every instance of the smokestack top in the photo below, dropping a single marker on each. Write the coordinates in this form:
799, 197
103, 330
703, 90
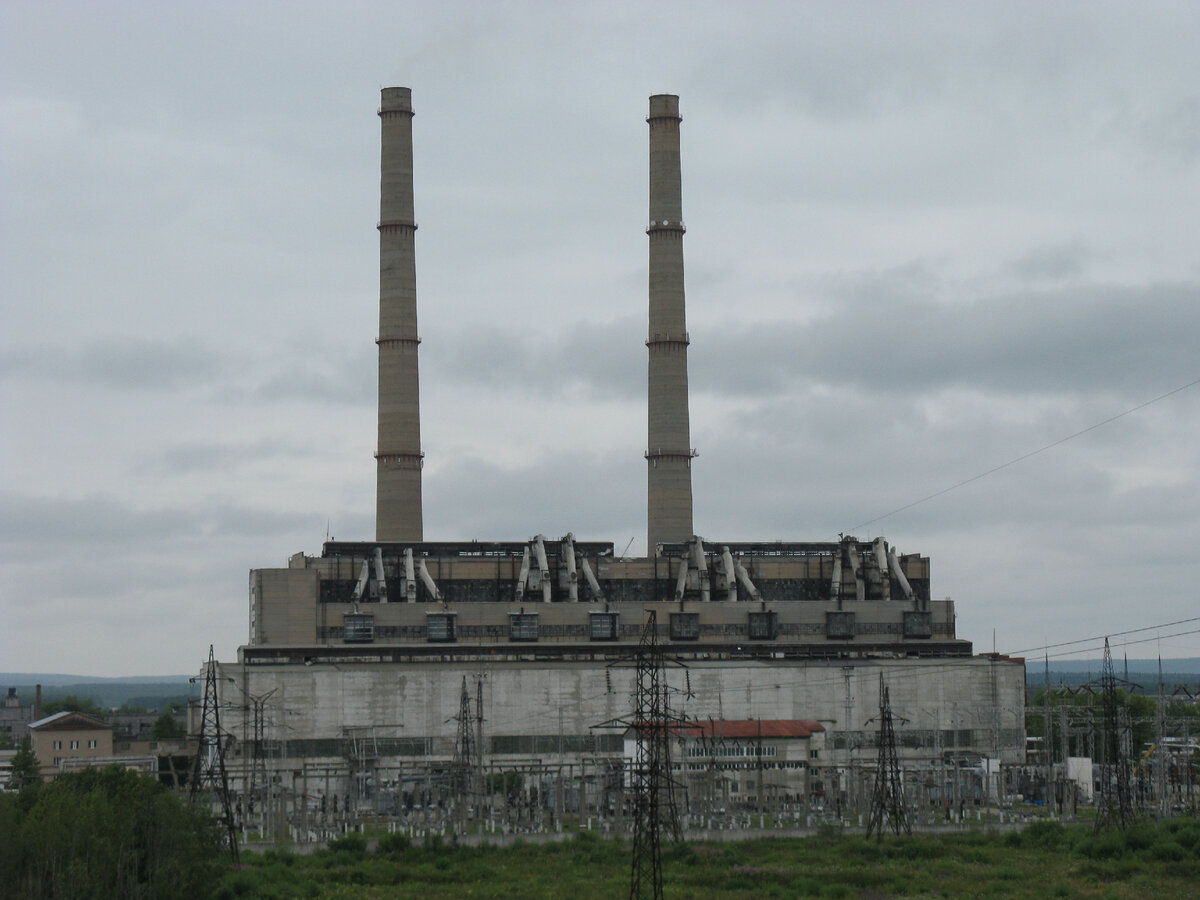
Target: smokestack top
395, 99
664, 106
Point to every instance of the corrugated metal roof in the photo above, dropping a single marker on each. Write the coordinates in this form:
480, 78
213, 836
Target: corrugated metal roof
754, 728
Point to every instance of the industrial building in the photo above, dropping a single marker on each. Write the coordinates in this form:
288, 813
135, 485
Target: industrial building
370, 664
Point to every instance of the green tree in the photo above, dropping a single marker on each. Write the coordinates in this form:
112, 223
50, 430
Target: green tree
166, 728
71, 703
25, 767
107, 833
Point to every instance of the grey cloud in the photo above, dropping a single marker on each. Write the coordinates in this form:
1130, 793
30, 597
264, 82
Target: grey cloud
324, 376
596, 497
123, 363
101, 520
878, 331
207, 456
1130, 341
1051, 263
602, 360
1175, 132
93, 520
312, 373
826, 462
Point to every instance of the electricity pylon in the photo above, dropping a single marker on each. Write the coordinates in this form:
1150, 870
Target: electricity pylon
1116, 801
887, 799
208, 771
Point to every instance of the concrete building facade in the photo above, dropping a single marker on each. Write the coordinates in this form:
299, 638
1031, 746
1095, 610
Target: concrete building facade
69, 738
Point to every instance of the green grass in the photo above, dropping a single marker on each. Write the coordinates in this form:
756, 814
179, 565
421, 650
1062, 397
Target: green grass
1045, 860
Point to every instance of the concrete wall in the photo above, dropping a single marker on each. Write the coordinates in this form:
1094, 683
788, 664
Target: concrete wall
283, 605
530, 697
42, 741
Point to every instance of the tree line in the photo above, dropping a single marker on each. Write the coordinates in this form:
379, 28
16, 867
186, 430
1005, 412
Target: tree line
103, 833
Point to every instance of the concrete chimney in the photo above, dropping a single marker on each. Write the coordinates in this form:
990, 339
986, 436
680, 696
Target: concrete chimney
398, 457
669, 452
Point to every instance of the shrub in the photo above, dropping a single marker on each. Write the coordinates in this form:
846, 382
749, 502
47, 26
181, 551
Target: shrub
353, 844
1044, 836
1103, 846
394, 844
1140, 837
1168, 851
828, 831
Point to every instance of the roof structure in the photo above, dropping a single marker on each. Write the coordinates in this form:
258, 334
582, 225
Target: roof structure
69, 721
739, 729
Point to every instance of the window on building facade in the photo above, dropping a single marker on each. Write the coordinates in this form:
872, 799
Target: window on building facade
522, 627
839, 624
92, 744
359, 628
58, 745
439, 627
604, 626
762, 626
918, 625
74, 745
685, 626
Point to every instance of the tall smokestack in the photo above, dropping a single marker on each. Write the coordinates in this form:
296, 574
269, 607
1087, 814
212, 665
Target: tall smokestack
669, 452
399, 457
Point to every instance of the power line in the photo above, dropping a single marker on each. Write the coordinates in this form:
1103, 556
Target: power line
1023, 457
1124, 643
1101, 637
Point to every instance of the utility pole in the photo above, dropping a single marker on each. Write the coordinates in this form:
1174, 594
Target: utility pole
1064, 738
480, 785
848, 703
1160, 785
758, 767
954, 758
1047, 735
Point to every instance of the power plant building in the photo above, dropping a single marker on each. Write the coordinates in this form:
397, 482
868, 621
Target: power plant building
365, 650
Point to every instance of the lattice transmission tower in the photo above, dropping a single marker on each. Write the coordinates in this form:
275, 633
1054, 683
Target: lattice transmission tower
652, 781
466, 754
1116, 800
208, 771
888, 808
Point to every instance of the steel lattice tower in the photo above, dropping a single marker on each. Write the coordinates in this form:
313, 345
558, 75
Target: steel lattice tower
653, 795
1116, 801
208, 772
887, 799
466, 761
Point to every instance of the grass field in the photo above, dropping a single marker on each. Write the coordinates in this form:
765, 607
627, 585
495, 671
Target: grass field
1045, 860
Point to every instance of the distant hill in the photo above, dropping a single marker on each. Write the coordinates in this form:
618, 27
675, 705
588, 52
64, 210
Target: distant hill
147, 691
55, 680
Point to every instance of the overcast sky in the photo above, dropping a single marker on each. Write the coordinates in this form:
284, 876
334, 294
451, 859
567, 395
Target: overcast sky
923, 240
